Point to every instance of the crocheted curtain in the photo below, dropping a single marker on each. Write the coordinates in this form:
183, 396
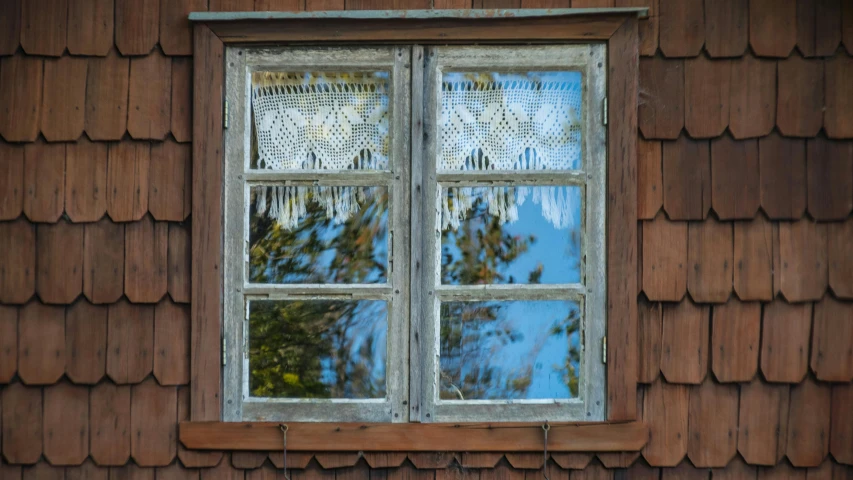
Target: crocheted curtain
328, 121
510, 122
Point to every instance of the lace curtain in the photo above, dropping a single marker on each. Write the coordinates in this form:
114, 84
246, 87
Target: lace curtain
339, 121
332, 121
510, 122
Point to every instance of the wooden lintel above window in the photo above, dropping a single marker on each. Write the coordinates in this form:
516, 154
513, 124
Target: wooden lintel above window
416, 437
418, 26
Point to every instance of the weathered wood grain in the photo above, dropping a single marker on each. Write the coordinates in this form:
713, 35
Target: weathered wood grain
59, 256
170, 181
109, 424
85, 180
809, 423
150, 96
130, 342
64, 98
709, 260
41, 343
66, 424
103, 261
736, 328
682, 27
44, 181
171, 343
782, 166
106, 96
785, 335
661, 107
830, 178
665, 411
772, 27
753, 259
153, 411
18, 258
128, 167
137, 26
685, 342
85, 342
763, 423
90, 27
22, 423
706, 96
803, 255
832, 340
664, 259
686, 178
146, 244
11, 180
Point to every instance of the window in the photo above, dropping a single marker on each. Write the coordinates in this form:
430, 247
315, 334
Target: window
415, 233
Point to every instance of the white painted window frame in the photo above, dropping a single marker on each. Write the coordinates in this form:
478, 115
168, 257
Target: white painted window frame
412, 370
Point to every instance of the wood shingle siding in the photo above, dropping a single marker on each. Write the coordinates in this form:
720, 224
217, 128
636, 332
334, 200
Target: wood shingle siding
745, 195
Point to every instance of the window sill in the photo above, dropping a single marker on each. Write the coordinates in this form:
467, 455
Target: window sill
415, 437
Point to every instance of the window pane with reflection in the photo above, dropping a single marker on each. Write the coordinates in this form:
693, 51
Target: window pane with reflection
317, 348
502, 235
318, 235
509, 350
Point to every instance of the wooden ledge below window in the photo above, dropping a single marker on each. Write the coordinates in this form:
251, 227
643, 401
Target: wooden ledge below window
415, 437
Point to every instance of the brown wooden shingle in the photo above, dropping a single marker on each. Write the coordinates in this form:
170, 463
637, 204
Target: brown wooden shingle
664, 259
180, 256
137, 26
232, 5
109, 424
146, 244
85, 342
753, 259
66, 424
41, 343
841, 258
106, 96
17, 261
10, 26
686, 178
785, 341
85, 180
381, 459
44, 181
170, 181
130, 342
782, 165
176, 33
22, 423
8, 343
59, 256
182, 99
772, 27
43, 471
706, 96
171, 343
176, 471
665, 411
818, 27
838, 117
763, 424
153, 411
20, 97
736, 192
291, 5
830, 178
752, 109
249, 460
802, 253
709, 260
661, 109
799, 107
131, 472
224, 471
682, 27
841, 439
90, 26
150, 95
649, 179
64, 103
832, 340
650, 340
685, 342
685, 471
735, 331
808, 423
87, 471
737, 469
713, 424
726, 24
11, 180
127, 180
43, 26
103, 261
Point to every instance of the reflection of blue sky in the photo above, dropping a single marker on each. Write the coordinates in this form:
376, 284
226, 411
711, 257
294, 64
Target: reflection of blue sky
553, 249
535, 346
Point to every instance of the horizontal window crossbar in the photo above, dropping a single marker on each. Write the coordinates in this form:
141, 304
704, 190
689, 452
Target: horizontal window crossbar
521, 177
355, 178
511, 292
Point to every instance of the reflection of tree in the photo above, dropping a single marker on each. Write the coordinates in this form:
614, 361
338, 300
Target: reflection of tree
473, 334
319, 349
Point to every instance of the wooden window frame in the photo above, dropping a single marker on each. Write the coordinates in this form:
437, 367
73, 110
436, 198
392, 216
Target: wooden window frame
617, 28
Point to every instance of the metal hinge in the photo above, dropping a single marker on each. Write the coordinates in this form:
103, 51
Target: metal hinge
604, 349
224, 351
604, 110
225, 116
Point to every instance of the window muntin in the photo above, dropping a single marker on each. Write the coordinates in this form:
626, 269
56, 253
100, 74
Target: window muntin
561, 160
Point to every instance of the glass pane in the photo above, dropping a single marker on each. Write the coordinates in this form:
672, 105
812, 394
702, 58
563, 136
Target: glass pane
510, 121
317, 348
326, 120
318, 235
499, 235
518, 350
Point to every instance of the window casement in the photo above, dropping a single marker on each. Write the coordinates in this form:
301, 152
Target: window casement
415, 233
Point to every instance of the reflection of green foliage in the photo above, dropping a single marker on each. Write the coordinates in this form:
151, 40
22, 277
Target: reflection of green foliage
292, 344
